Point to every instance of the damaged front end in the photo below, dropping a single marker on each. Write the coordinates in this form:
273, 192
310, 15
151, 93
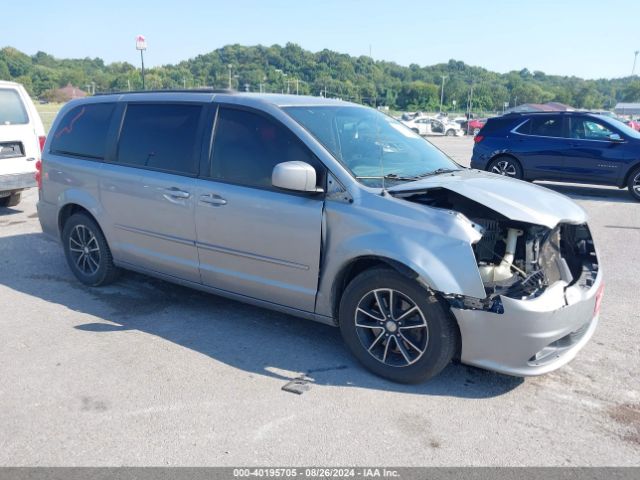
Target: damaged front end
542, 286
517, 259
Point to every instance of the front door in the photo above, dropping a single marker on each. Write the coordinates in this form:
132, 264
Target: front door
252, 239
593, 156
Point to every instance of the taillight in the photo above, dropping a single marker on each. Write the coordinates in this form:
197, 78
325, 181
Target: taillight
42, 139
478, 138
39, 174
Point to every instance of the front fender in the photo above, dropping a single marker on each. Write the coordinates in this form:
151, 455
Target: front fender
443, 261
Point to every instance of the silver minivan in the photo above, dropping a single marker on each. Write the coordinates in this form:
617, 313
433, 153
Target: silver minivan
329, 211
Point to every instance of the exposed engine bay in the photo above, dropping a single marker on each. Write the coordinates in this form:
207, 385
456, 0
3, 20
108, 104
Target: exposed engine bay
516, 259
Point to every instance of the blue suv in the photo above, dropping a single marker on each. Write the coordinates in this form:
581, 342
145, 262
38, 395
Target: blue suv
575, 147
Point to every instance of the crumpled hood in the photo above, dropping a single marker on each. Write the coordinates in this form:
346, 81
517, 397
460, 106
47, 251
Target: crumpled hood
515, 199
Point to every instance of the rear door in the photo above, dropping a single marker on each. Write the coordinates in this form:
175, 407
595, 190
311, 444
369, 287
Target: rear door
253, 239
19, 147
541, 143
148, 189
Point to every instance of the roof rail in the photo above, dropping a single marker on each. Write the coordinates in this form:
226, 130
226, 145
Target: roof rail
176, 90
546, 112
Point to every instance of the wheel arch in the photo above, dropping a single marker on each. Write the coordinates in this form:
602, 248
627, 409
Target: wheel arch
497, 155
358, 265
634, 167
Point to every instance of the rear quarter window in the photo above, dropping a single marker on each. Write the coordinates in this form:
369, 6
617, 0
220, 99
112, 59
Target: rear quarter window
12, 111
496, 125
83, 131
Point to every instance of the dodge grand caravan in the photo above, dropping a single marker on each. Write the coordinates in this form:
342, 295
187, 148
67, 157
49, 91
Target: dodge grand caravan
328, 211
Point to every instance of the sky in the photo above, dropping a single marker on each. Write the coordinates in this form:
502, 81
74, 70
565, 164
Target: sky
586, 38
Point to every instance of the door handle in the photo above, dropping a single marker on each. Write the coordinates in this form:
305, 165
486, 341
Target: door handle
213, 199
176, 193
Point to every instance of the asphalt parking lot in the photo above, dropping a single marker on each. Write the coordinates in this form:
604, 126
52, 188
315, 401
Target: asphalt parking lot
148, 373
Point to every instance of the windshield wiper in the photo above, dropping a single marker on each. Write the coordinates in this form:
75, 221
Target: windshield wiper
388, 176
437, 171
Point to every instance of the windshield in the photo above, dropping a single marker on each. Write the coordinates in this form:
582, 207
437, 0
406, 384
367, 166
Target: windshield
372, 146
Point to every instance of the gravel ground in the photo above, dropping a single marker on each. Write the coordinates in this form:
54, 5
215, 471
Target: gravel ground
148, 373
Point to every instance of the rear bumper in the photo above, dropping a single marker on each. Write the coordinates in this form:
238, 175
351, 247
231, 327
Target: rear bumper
531, 337
17, 181
48, 216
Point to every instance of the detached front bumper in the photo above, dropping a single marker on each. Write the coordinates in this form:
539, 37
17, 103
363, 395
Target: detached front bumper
531, 337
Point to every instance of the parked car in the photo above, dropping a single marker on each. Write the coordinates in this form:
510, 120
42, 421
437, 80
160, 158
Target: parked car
329, 211
21, 139
566, 147
425, 125
634, 124
474, 126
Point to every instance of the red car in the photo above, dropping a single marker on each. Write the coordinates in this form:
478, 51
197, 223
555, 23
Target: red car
635, 124
474, 125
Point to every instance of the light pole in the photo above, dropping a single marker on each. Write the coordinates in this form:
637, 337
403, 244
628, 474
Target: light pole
279, 70
635, 58
230, 67
141, 44
442, 92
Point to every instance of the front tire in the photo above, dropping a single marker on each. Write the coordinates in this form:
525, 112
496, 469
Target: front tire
450, 133
396, 328
634, 184
507, 166
11, 201
87, 251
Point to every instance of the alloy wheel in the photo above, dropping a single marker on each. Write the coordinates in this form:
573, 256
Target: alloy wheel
84, 249
504, 167
391, 327
636, 184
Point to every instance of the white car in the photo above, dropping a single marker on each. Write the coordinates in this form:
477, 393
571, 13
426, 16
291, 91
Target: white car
434, 126
21, 140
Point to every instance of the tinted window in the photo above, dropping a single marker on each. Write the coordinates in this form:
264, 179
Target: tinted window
12, 110
161, 136
584, 129
545, 126
83, 131
525, 128
247, 147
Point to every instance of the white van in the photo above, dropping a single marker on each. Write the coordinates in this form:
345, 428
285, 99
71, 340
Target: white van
21, 140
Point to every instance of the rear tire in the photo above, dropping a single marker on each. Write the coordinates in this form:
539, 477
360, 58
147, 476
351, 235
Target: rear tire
11, 201
507, 166
634, 184
87, 251
410, 342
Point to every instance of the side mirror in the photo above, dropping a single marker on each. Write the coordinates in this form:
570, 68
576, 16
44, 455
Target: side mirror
614, 137
297, 176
